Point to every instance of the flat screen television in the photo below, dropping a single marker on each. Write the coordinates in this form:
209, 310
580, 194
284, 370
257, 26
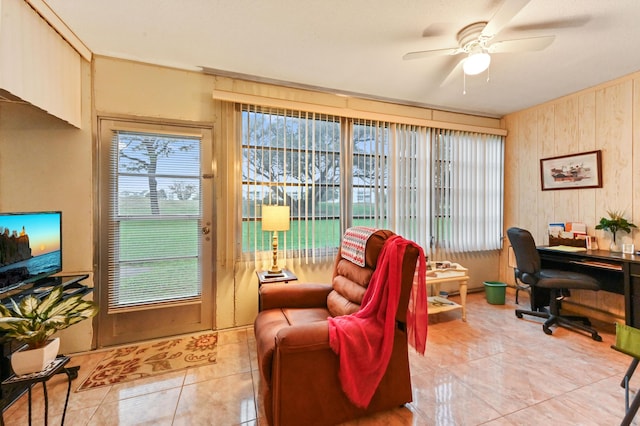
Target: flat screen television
30, 247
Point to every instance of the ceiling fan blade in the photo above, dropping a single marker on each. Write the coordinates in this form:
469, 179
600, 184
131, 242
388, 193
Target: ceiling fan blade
428, 53
436, 29
521, 44
572, 22
456, 70
507, 10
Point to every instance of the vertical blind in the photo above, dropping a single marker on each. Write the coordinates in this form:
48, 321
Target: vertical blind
291, 158
390, 178
468, 190
369, 170
439, 188
410, 184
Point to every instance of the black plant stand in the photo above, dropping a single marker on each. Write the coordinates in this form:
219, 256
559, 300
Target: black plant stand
56, 367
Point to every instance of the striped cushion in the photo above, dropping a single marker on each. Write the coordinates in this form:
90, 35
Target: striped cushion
354, 243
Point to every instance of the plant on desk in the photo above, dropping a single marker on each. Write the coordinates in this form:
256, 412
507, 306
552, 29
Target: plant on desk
33, 321
615, 223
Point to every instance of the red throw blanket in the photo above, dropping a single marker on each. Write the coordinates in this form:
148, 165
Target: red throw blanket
364, 340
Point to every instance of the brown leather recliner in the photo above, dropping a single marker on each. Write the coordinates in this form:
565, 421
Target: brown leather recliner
299, 370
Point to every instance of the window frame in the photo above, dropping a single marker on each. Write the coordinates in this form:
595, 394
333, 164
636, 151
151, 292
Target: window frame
426, 217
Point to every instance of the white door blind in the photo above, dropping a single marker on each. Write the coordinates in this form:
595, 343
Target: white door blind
154, 223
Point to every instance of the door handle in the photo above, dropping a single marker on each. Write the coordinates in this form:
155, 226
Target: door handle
206, 230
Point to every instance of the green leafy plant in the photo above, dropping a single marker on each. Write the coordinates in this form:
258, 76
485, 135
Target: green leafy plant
615, 223
33, 320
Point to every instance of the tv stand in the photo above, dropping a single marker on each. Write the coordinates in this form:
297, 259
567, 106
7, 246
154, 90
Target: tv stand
40, 288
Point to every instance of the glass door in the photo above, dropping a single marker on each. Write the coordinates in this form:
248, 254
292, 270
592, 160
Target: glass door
156, 242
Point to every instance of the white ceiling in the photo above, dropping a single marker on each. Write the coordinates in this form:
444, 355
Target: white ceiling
356, 46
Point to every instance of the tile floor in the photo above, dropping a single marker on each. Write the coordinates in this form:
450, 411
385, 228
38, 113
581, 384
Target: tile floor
493, 370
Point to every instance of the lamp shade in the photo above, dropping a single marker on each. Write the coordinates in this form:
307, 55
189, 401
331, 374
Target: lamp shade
275, 218
476, 62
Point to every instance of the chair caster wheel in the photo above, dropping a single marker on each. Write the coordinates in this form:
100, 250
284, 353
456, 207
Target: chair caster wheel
547, 330
518, 314
596, 337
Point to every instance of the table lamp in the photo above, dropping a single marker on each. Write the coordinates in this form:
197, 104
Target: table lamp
275, 218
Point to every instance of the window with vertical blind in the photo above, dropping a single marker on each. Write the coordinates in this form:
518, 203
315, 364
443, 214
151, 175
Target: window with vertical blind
411, 214
467, 190
389, 175
291, 158
370, 145
154, 224
426, 184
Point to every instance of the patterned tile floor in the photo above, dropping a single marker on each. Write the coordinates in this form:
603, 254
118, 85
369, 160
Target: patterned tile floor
495, 370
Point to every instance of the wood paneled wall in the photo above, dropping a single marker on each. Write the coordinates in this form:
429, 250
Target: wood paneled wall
606, 118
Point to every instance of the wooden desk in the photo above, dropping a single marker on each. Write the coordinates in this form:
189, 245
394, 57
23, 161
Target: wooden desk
617, 273
457, 273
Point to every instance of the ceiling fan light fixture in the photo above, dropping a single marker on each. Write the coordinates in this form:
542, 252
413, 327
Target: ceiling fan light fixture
476, 62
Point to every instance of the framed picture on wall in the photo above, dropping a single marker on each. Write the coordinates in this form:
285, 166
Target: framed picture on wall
582, 170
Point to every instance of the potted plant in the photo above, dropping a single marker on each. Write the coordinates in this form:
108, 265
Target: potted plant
616, 222
33, 321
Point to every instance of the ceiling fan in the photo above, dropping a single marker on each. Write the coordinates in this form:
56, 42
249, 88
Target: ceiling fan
475, 40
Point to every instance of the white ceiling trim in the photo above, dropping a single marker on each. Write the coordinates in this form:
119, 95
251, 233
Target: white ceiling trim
60, 27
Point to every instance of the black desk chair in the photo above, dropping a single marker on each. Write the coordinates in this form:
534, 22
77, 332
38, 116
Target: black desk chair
548, 285
520, 285
516, 275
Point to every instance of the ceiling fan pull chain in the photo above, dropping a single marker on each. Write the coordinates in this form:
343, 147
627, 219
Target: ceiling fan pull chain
464, 83
488, 73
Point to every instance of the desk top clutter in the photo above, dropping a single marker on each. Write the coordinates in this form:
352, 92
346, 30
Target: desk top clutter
572, 234
441, 272
444, 268
566, 236
572, 249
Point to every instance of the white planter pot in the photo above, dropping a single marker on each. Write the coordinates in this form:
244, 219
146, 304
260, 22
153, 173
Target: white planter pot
34, 360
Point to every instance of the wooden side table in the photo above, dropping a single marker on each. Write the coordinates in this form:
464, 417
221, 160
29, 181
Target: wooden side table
265, 277
455, 273
56, 367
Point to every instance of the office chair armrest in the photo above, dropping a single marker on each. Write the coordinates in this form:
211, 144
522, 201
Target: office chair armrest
528, 278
